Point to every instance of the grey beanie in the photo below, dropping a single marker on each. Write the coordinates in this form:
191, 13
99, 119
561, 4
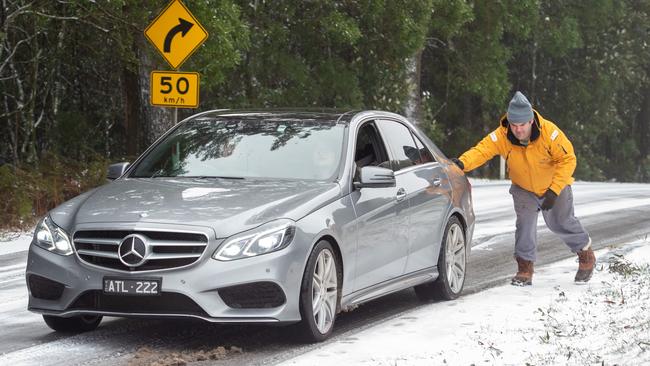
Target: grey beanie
519, 109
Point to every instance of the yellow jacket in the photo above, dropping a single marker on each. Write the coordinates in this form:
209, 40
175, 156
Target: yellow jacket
547, 162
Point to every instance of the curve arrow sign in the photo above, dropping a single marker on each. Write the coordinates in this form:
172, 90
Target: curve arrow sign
183, 27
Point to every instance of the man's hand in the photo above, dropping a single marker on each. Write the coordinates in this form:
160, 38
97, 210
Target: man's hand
549, 200
459, 163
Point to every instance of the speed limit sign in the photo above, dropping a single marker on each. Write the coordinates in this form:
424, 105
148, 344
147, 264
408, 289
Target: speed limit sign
175, 89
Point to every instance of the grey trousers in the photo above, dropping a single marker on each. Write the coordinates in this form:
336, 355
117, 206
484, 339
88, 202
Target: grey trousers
560, 219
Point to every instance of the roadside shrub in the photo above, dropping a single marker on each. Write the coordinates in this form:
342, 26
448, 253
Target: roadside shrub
29, 192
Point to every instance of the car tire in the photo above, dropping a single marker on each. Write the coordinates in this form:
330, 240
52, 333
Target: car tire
75, 324
452, 266
323, 268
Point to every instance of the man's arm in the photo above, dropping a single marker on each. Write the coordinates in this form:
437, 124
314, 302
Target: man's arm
564, 159
485, 150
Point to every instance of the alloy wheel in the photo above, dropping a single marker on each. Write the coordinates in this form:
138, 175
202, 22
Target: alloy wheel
455, 258
324, 291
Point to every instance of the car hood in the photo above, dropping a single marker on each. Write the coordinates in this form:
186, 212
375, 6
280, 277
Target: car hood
227, 206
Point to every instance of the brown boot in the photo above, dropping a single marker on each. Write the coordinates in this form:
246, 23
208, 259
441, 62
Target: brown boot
524, 276
586, 262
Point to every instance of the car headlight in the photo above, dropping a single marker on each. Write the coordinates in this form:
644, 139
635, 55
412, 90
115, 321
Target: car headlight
51, 237
265, 239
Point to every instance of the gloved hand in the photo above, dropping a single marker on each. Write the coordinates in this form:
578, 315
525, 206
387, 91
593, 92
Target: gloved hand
549, 200
459, 163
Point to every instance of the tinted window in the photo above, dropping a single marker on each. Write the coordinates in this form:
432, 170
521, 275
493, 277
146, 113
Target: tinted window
256, 148
425, 154
401, 144
369, 149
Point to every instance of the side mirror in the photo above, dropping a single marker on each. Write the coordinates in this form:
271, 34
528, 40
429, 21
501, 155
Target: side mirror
116, 170
375, 177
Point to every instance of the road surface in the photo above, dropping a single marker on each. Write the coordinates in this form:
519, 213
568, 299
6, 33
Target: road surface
612, 213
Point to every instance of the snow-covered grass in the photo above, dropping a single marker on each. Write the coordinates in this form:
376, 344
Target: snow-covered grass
553, 322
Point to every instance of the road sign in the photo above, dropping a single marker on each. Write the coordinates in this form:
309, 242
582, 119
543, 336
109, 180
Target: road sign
175, 33
175, 89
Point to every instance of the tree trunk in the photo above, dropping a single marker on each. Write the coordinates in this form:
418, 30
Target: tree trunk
131, 111
156, 120
413, 109
642, 134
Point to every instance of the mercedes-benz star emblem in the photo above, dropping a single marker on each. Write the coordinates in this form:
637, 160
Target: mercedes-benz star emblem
133, 250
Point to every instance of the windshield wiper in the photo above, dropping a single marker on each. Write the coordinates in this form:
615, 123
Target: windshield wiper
158, 174
208, 177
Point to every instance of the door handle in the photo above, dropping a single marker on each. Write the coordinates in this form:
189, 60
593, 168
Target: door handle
401, 194
437, 182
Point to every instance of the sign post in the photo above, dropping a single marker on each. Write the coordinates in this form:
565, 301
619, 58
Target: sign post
176, 34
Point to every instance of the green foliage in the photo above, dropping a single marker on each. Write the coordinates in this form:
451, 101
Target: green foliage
74, 76
326, 54
465, 67
16, 207
582, 73
584, 65
29, 193
228, 40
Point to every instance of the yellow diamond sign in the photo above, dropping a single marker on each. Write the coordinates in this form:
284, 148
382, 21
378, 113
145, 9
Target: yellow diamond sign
175, 33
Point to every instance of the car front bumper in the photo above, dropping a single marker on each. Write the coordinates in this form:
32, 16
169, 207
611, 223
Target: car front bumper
192, 291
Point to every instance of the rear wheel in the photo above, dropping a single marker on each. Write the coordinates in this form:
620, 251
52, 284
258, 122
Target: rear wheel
320, 293
452, 264
75, 324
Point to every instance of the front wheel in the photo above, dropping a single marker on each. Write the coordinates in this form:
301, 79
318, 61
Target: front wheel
452, 264
320, 293
75, 324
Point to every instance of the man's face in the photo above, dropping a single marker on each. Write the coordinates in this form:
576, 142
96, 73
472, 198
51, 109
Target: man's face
522, 130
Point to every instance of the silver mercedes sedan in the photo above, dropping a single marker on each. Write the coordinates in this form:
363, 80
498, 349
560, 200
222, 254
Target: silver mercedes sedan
258, 217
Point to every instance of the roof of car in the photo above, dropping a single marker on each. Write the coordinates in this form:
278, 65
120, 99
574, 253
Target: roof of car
320, 114
315, 114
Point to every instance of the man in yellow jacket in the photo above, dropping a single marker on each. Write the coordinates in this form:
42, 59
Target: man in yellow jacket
541, 162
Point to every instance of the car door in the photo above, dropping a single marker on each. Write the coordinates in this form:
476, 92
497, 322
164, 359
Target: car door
382, 243
428, 192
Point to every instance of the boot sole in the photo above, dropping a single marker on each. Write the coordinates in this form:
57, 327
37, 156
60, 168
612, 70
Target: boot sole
521, 284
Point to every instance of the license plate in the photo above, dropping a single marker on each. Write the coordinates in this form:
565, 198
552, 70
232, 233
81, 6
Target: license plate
132, 286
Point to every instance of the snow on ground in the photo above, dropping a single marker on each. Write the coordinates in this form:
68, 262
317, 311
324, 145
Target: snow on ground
553, 322
11, 242
495, 215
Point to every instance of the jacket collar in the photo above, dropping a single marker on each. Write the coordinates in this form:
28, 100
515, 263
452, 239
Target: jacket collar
534, 133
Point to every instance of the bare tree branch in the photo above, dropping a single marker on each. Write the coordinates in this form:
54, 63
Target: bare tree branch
8, 77
17, 12
58, 17
13, 52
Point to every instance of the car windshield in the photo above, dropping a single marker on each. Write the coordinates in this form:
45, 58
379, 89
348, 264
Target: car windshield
208, 147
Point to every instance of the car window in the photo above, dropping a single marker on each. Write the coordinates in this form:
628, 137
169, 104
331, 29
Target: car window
402, 145
369, 148
247, 148
425, 154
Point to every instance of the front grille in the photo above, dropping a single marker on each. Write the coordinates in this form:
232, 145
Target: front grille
167, 249
253, 295
43, 288
166, 303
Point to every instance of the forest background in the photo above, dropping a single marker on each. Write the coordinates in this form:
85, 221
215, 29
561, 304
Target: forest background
74, 77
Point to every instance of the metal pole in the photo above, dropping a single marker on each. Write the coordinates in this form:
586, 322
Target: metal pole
175, 116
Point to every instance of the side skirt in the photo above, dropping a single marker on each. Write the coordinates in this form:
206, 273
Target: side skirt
351, 300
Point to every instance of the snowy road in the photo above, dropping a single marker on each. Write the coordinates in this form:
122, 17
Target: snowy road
611, 212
